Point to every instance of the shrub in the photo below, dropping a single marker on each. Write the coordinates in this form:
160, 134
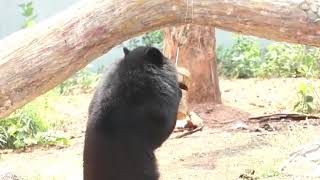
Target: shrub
288, 60
307, 103
245, 59
27, 126
241, 60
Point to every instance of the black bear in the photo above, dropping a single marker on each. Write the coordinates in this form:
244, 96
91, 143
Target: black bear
133, 111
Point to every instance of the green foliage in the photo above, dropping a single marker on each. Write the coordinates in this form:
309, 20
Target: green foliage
51, 138
306, 102
245, 59
154, 38
241, 60
83, 81
20, 128
288, 60
27, 127
27, 11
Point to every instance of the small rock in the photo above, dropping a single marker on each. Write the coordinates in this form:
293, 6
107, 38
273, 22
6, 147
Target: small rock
209, 110
267, 127
312, 15
240, 125
257, 130
304, 6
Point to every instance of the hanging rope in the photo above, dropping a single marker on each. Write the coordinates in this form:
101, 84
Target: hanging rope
182, 36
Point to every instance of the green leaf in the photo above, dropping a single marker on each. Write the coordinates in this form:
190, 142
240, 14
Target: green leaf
309, 98
18, 144
302, 87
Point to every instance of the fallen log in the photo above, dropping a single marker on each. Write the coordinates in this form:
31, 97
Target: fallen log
281, 116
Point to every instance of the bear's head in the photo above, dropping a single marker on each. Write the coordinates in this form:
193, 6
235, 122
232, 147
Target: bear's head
146, 69
143, 56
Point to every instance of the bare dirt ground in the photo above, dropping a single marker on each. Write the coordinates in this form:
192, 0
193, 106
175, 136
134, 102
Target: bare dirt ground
220, 151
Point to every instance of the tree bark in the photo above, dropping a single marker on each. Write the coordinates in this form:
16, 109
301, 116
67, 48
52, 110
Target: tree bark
34, 60
197, 54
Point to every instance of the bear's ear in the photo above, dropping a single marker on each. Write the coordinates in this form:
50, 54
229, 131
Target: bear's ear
155, 55
126, 51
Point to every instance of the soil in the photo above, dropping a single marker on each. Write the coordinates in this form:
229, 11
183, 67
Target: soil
228, 146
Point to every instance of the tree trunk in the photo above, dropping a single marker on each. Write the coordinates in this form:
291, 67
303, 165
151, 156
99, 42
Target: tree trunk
197, 54
34, 60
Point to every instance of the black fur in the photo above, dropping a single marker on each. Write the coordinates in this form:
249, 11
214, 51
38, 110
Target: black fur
132, 113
